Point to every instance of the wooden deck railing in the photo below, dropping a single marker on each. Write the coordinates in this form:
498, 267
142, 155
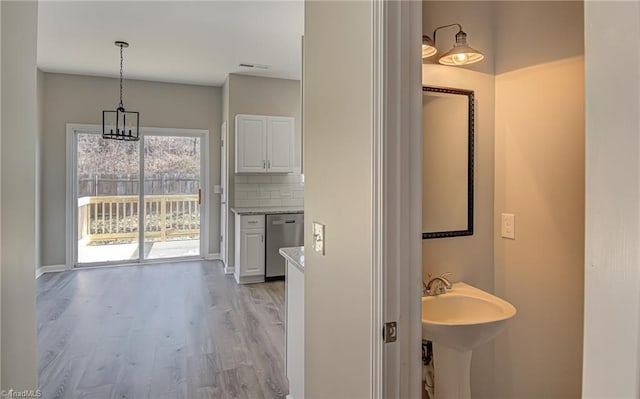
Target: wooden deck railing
112, 218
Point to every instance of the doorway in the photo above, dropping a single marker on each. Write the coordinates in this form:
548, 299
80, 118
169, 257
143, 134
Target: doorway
135, 202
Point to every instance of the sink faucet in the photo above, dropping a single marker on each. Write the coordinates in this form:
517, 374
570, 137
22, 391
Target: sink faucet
436, 286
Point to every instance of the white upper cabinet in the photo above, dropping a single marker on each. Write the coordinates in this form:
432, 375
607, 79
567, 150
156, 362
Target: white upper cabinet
280, 144
264, 144
251, 143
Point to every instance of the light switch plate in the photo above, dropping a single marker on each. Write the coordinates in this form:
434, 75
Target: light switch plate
508, 226
318, 237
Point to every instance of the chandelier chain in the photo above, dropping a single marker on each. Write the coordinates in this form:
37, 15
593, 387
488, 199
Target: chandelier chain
121, 68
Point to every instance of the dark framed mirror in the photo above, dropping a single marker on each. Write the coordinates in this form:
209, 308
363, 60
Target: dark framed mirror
447, 162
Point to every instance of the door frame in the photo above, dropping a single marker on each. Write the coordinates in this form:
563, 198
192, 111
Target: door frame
396, 368
71, 250
224, 197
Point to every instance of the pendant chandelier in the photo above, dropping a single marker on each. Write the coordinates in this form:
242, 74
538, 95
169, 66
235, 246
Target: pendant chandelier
121, 124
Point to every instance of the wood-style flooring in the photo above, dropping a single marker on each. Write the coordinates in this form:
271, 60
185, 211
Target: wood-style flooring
182, 330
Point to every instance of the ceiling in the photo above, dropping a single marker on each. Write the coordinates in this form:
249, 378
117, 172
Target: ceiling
195, 42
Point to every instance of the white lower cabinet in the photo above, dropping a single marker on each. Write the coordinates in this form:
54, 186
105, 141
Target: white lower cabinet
295, 331
249, 249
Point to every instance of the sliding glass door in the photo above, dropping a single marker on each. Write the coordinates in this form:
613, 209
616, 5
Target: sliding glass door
172, 196
137, 201
107, 176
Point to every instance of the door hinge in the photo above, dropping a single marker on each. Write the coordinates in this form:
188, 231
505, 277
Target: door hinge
390, 332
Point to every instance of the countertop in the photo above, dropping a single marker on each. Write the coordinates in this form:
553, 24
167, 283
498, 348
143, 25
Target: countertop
267, 210
295, 255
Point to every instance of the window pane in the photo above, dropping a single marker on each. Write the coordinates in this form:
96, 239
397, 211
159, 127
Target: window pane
107, 204
171, 185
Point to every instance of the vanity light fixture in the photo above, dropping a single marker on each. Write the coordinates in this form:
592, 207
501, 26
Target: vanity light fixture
460, 54
428, 47
115, 125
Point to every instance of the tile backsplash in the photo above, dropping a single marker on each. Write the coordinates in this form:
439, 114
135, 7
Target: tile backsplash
269, 190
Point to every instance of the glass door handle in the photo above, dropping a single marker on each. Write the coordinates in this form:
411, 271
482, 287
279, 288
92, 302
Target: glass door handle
199, 196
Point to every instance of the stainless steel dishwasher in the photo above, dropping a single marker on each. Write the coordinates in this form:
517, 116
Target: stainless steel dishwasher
284, 230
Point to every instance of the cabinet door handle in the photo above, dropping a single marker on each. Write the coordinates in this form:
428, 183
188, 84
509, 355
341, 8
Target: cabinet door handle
269, 164
264, 164
262, 237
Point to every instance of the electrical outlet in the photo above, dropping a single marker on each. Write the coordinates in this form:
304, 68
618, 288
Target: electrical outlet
508, 226
318, 237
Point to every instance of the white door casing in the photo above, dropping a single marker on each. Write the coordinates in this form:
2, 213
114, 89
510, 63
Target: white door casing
223, 235
224, 184
224, 156
402, 196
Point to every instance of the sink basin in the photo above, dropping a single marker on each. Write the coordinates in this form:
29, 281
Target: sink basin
457, 322
465, 317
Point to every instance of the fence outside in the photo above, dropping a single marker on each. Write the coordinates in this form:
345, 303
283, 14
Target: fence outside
116, 217
154, 184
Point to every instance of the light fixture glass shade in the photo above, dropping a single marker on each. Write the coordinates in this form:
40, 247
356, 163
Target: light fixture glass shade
428, 47
461, 53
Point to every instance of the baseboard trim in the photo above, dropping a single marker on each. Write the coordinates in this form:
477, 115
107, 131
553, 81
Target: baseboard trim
229, 269
50, 269
249, 279
213, 257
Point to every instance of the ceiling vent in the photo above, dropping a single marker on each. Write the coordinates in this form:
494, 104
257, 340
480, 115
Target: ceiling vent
256, 66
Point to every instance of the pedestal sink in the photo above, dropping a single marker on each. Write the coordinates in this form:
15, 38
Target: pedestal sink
457, 322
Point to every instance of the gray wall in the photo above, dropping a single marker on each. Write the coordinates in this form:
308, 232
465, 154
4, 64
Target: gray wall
257, 96
81, 99
521, 40
338, 142
539, 153
470, 258
19, 206
476, 20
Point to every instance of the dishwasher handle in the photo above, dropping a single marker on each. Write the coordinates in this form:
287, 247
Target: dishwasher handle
281, 222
